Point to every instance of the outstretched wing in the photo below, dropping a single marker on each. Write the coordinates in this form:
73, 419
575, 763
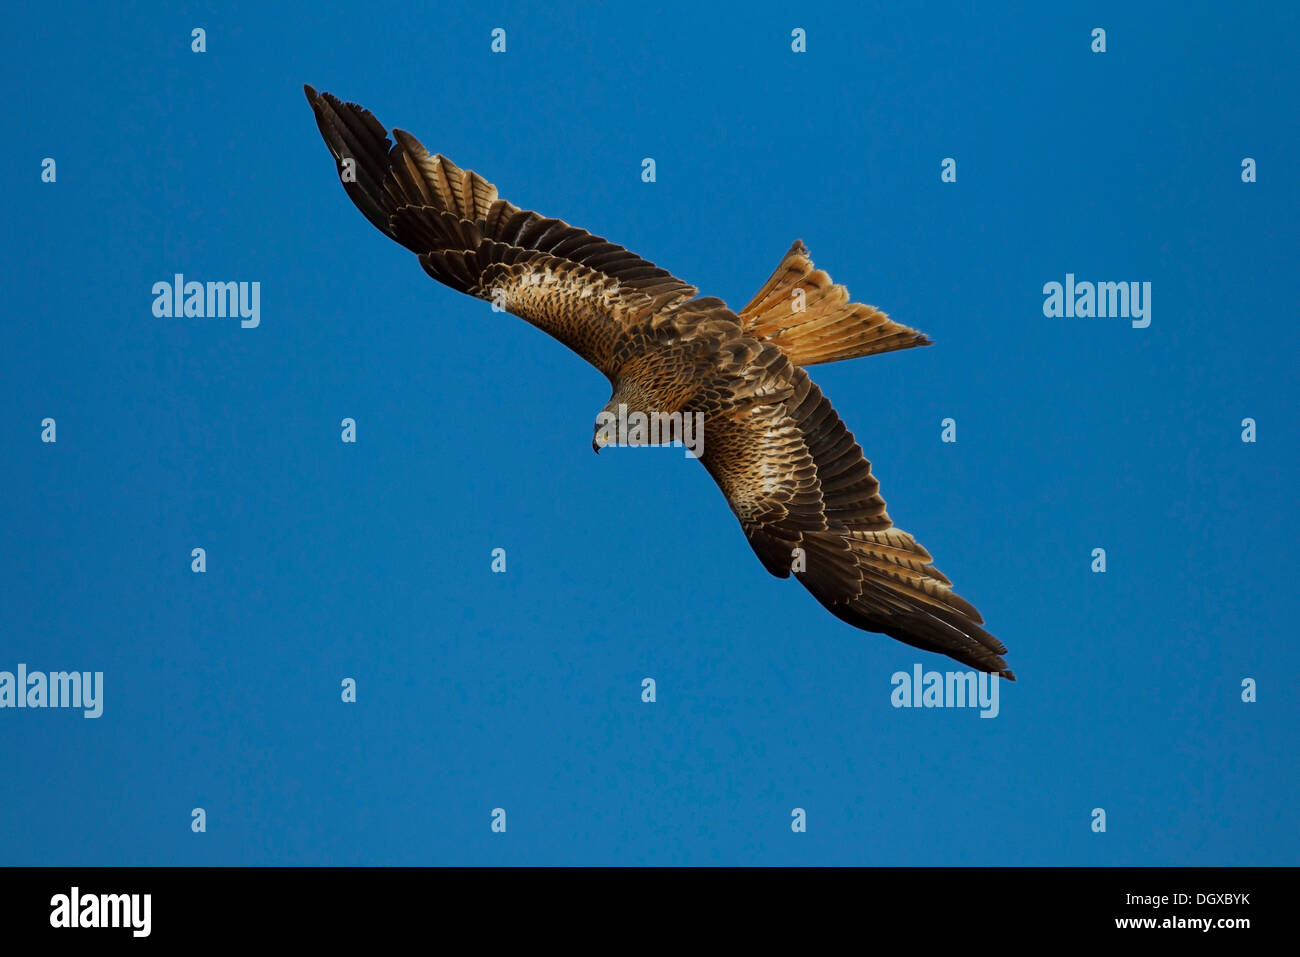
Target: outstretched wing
797, 480
579, 288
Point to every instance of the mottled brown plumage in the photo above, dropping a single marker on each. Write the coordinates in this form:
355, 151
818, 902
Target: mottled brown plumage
791, 471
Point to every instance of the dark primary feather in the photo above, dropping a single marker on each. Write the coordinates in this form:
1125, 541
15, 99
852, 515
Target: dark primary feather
796, 478
791, 471
580, 288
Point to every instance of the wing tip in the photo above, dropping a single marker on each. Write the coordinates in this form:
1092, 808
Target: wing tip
410, 143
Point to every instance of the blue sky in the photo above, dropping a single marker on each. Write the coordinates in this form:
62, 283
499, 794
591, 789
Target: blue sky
522, 690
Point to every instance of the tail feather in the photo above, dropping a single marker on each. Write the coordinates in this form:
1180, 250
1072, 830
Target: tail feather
810, 318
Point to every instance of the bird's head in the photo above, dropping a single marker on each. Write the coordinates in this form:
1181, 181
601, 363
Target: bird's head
603, 435
607, 425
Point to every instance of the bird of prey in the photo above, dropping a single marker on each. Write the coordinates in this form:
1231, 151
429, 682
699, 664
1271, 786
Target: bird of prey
791, 471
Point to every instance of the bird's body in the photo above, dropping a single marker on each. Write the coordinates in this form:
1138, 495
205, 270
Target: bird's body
790, 470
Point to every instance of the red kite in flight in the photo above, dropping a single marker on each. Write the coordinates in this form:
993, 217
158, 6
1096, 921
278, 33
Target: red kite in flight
790, 470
